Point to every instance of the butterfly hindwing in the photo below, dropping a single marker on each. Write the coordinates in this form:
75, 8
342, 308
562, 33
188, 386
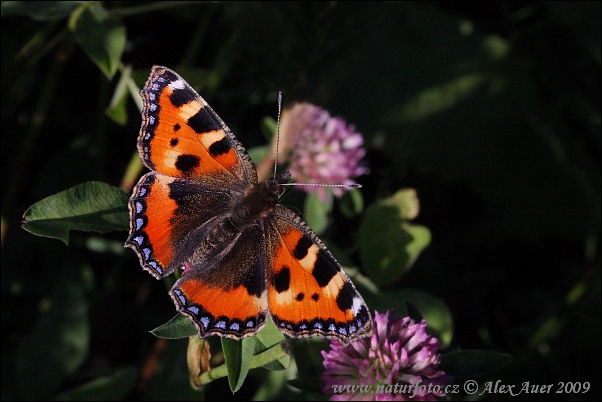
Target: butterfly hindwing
223, 290
167, 216
308, 291
181, 136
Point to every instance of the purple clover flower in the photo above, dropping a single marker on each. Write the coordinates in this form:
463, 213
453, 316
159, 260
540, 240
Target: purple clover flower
398, 362
321, 149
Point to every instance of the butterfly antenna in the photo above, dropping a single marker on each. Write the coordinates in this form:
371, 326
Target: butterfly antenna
278, 131
354, 185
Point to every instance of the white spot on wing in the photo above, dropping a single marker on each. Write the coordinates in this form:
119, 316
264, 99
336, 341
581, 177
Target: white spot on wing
177, 84
357, 305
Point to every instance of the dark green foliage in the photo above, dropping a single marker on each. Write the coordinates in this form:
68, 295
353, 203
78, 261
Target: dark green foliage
481, 209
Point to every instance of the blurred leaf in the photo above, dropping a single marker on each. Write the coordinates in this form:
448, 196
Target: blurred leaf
257, 154
179, 326
406, 201
117, 109
472, 363
389, 245
436, 313
352, 203
58, 343
40, 10
438, 99
309, 384
268, 337
308, 356
238, 355
316, 211
413, 312
268, 128
108, 388
271, 355
100, 35
92, 206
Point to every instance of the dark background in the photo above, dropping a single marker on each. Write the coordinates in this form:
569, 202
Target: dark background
490, 110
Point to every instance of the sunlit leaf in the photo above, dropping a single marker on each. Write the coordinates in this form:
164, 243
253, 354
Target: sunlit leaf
389, 245
267, 338
100, 35
179, 326
238, 355
92, 206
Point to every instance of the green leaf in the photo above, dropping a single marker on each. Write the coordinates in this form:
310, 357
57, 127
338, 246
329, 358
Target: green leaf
471, 363
309, 384
272, 355
439, 98
100, 35
108, 388
179, 326
92, 206
316, 211
238, 355
308, 356
58, 342
268, 128
436, 313
257, 154
117, 109
352, 203
40, 10
388, 245
267, 338
406, 201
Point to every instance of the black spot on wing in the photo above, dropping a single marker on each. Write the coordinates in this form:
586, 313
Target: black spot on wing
315, 297
177, 127
282, 280
324, 270
180, 97
174, 142
301, 248
299, 297
345, 296
186, 163
220, 147
204, 121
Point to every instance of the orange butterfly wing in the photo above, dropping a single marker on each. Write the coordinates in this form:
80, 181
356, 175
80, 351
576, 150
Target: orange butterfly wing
246, 257
308, 291
181, 136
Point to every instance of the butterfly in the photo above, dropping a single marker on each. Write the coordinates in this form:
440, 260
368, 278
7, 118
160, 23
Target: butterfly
245, 257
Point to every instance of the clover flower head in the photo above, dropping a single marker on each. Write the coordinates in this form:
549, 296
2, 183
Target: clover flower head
321, 149
398, 362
